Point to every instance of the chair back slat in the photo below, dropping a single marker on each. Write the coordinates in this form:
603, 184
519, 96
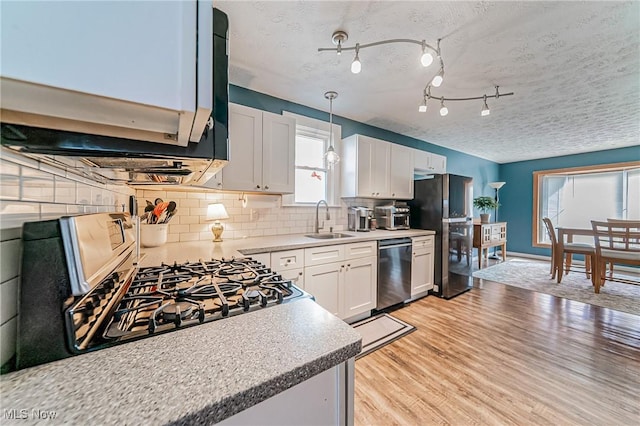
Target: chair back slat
616, 236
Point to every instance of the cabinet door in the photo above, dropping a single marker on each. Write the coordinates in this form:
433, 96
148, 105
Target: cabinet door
401, 181
365, 167
359, 288
79, 60
421, 270
324, 283
244, 171
438, 163
278, 153
381, 172
295, 275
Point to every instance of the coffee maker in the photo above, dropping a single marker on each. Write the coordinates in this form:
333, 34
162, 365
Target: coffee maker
359, 218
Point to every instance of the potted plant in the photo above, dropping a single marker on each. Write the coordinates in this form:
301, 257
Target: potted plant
485, 204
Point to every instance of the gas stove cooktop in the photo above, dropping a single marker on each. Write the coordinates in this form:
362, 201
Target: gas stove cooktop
59, 317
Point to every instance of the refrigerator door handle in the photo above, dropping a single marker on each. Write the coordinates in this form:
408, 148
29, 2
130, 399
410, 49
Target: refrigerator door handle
457, 220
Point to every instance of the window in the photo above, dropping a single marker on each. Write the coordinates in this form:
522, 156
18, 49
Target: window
314, 179
574, 197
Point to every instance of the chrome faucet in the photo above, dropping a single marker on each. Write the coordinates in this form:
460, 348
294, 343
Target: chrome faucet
318, 227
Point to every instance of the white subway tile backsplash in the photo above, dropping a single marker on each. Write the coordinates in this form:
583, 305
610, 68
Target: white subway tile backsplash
10, 259
8, 340
8, 300
189, 236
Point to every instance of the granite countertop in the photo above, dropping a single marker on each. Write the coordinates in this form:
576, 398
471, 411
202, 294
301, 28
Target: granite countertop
194, 250
198, 375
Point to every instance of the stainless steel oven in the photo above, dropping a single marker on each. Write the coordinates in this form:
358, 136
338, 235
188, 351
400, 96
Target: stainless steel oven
394, 272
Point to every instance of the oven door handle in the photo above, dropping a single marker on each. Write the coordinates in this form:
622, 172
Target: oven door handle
394, 246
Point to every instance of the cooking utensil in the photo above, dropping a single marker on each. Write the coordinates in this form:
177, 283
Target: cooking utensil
158, 210
171, 207
170, 215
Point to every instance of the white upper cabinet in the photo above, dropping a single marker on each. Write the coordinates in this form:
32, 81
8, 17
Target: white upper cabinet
372, 168
125, 69
261, 151
401, 182
427, 162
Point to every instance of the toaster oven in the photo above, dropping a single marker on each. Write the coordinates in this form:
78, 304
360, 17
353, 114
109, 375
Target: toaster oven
392, 218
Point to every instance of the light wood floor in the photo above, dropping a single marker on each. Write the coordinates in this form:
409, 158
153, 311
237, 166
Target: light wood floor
504, 355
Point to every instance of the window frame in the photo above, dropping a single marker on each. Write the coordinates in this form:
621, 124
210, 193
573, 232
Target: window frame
538, 176
308, 126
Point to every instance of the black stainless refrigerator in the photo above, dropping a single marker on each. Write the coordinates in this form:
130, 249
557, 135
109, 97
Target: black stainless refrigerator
443, 203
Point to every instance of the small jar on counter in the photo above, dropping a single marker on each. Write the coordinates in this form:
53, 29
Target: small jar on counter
373, 224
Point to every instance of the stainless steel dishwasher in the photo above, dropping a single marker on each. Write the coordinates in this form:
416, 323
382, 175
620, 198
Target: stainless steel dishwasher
394, 272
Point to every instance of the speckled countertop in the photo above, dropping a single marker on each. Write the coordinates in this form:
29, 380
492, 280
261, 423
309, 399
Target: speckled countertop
195, 250
198, 375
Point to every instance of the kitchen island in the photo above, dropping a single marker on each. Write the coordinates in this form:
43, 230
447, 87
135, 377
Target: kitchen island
197, 375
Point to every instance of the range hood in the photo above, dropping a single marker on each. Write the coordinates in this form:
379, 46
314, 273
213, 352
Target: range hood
118, 161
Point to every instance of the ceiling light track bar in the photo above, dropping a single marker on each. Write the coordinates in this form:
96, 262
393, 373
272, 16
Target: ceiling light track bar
428, 95
378, 43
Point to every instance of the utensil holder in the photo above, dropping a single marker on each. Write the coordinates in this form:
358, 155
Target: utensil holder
153, 235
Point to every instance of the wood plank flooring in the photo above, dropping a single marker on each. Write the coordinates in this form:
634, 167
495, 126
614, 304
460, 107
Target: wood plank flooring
503, 355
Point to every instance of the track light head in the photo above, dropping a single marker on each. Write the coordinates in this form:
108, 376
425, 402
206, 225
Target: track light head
356, 66
423, 106
485, 108
427, 58
443, 109
437, 80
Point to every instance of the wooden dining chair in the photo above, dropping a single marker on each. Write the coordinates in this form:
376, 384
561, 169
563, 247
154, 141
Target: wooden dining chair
562, 254
615, 242
612, 220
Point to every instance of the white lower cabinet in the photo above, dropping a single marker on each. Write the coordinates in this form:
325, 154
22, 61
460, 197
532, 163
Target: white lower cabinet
324, 283
422, 264
359, 293
347, 287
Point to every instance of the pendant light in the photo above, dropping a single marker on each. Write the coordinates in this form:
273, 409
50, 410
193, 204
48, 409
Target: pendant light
331, 155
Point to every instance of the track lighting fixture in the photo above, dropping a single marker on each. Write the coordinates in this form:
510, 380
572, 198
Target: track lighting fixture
356, 66
331, 155
426, 59
339, 37
485, 108
443, 109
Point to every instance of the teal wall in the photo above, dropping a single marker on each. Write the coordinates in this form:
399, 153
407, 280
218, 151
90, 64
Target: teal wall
482, 171
516, 197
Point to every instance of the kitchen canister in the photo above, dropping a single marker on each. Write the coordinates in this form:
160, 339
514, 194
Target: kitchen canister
153, 235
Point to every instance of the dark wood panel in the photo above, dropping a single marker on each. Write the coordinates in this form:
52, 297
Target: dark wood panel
504, 355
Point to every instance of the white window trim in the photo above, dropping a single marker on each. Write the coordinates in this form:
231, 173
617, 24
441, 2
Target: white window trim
312, 125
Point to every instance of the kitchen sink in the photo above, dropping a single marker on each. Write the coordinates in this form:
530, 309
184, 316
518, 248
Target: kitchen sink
328, 236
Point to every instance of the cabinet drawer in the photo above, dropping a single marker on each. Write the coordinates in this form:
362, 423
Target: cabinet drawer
325, 254
290, 259
357, 250
419, 242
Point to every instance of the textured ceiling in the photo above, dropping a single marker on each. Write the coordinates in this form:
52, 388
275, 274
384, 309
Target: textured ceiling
574, 68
